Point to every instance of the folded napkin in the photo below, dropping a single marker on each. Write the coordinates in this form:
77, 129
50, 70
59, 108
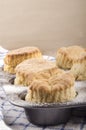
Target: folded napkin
2, 123
3, 52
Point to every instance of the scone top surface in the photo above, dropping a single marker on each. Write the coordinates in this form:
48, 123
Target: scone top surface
56, 82
32, 69
21, 51
72, 51
62, 81
34, 65
67, 55
16, 55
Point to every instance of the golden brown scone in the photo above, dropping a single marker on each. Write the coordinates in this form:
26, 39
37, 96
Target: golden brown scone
10, 69
79, 68
67, 55
32, 69
14, 57
59, 88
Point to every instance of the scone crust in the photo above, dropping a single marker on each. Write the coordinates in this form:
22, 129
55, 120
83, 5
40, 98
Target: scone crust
59, 88
10, 69
67, 55
15, 57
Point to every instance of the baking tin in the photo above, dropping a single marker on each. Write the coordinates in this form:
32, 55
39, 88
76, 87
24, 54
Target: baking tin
45, 114
37, 114
48, 113
79, 112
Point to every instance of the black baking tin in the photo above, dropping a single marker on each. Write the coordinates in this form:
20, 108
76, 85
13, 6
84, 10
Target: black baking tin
49, 113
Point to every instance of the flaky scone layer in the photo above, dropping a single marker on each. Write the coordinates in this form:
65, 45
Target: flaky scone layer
14, 57
67, 55
59, 88
79, 68
32, 69
10, 69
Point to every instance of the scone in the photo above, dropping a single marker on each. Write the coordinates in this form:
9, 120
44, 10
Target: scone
59, 88
32, 69
67, 55
14, 57
79, 68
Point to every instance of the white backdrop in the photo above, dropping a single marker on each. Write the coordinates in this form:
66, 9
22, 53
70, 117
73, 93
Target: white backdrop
47, 24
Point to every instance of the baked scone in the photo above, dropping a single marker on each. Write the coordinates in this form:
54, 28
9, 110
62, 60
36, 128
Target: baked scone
67, 55
32, 69
59, 88
79, 68
14, 57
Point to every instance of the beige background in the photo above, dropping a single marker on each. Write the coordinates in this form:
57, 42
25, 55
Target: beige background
48, 24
